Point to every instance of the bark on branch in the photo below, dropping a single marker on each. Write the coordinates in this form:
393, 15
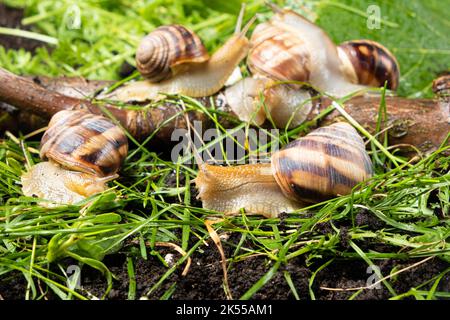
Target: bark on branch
422, 123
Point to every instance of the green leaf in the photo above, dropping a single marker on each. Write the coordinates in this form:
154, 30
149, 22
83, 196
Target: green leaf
106, 218
228, 6
417, 35
54, 247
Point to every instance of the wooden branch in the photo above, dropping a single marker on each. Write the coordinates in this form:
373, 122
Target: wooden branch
15, 120
421, 123
28, 96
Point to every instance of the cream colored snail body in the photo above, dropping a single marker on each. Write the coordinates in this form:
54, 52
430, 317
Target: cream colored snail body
256, 99
195, 75
82, 152
328, 162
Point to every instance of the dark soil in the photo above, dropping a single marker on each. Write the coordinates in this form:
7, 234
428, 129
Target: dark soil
12, 18
205, 277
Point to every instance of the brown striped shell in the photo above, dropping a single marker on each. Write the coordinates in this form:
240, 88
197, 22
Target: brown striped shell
289, 47
165, 49
369, 63
278, 54
328, 162
441, 86
84, 142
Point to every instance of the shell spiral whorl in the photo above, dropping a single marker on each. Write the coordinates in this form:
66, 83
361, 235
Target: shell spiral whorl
369, 63
81, 141
328, 162
166, 48
278, 54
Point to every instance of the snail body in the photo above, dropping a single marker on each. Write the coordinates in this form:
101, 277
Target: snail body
251, 187
255, 99
193, 79
81, 152
60, 185
326, 163
288, 51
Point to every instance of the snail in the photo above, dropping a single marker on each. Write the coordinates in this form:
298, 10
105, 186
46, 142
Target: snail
81, 153
199, 78
290, 48
327, 162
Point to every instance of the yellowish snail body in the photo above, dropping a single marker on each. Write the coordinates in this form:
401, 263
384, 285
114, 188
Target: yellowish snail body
290, 48
174, 61
81, 153
328, 162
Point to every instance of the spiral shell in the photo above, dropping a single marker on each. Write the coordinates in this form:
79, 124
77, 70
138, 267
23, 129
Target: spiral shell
165, 49
369, 63
278, 54
84, 142
328, 162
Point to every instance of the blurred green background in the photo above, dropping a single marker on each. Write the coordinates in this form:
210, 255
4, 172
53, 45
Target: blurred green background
417, 32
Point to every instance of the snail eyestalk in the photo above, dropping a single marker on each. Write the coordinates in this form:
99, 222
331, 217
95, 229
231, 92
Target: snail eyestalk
238, 27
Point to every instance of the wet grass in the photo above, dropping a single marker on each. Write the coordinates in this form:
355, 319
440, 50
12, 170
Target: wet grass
153, 201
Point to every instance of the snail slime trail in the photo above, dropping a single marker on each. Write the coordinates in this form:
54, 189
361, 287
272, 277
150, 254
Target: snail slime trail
81, 153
